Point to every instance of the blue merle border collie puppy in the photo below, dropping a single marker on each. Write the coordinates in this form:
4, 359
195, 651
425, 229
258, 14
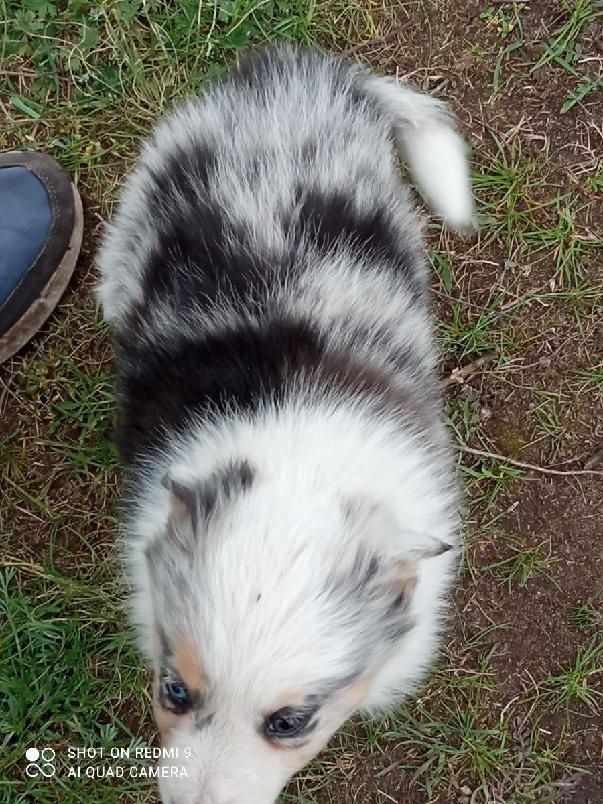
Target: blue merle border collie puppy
290, 510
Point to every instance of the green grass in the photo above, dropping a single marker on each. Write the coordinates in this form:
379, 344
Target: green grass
566, 242
506, 21
576, 684
563, 47
591, 378
504, 187
444, 745
594, 183
88, 79
525, 563
489, 480
474, 333
69, 676
11, 456
563, 50
510, 189
586, 615
83, 424
549, 426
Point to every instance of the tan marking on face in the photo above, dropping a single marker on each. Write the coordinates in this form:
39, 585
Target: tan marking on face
402, 578
185, 660
351, 697
292, 699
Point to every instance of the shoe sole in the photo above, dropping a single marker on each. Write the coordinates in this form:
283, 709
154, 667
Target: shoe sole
41, 309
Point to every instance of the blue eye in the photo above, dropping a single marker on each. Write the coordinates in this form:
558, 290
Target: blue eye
177, 693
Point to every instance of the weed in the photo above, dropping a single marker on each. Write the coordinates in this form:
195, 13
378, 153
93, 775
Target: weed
566, 242
505, 187
12, 455
563, 48
582, 90
575, 684
549, 424
489, 480
474, 333
591, 378
525, 562
587, 616
594, 183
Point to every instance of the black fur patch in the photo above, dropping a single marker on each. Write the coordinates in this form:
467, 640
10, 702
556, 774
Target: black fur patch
161, 388
199, 255
333, 219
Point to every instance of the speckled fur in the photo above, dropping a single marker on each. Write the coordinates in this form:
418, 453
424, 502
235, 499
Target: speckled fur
265, 284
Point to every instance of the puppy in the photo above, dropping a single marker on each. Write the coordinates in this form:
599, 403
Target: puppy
290, 507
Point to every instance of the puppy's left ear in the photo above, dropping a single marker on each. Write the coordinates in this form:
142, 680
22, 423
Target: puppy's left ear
383, 536
402, 575
432, 548
381, 530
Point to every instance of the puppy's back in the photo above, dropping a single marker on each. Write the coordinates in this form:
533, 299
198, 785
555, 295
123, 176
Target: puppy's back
266, 240
291, 151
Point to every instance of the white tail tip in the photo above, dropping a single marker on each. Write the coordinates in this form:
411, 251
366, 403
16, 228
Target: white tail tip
437, 159
435, 153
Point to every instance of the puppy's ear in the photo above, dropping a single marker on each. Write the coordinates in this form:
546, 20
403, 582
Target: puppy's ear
184, 504
383, 536
402, 574
400, 580
194, 502
431, 548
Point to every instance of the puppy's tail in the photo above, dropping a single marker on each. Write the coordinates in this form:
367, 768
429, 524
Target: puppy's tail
429, 143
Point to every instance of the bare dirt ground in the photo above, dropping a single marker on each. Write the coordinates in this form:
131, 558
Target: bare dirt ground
534, 562
513, 713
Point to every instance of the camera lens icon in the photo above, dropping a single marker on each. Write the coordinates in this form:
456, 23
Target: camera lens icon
41, 763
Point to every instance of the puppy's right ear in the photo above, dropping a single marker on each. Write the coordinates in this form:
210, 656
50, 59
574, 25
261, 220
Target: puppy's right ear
184, 504
184, 511
193, 502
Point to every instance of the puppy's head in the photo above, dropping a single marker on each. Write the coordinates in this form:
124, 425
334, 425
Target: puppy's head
272, 611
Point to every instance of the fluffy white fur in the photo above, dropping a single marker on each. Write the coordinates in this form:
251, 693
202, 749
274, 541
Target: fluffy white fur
284, 588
